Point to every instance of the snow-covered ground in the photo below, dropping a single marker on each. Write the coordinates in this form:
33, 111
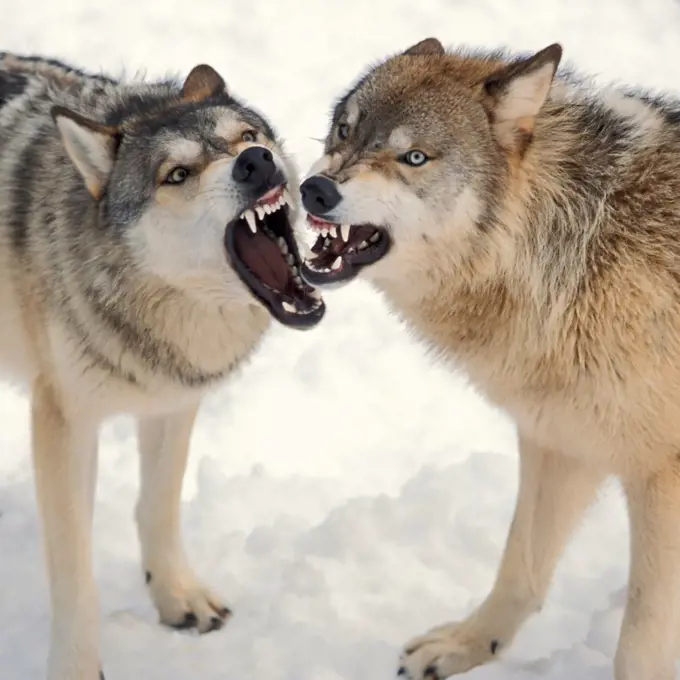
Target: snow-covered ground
344, 492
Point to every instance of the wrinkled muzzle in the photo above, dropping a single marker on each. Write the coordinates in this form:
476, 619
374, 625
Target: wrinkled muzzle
341, 250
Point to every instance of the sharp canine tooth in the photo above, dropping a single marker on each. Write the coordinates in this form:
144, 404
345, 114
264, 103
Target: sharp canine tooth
334, 232
288, 307
375, 238
250, 219
283, 246
344, 230
260, 212
315, 294
337, 263
287, 198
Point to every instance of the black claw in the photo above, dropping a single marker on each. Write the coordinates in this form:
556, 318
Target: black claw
215, 624
147, 577
224, 613
494, 646
431, 672
189, 621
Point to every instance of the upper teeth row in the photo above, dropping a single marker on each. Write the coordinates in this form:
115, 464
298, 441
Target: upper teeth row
333, 231
262, 209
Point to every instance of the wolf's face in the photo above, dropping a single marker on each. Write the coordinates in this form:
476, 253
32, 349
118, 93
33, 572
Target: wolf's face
416, 152
203, 196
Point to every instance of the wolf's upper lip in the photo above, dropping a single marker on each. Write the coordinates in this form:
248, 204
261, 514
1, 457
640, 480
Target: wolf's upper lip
273, 200
325, 227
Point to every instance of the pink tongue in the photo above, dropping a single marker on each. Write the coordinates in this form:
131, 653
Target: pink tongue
262, 256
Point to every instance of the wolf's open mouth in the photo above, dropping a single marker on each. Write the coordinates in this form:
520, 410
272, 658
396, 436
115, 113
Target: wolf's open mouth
265, 255
340, 251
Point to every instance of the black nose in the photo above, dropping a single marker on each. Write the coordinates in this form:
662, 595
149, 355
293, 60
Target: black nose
255, 169
319, 194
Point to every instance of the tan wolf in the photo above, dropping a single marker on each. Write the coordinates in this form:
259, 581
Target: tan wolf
527, 225
145, 243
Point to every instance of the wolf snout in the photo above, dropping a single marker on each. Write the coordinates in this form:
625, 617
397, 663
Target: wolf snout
319, 195
256, 170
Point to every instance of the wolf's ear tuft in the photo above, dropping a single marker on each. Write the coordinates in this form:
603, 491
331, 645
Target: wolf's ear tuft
90, 145
202, 82
514, 95
427, 46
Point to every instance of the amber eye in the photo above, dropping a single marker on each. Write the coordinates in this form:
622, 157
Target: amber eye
343, 131
249, 136
415, 158
177, 175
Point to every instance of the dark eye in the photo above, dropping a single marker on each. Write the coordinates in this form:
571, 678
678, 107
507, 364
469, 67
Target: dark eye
177, 175
343, 131
415, 158
249, 136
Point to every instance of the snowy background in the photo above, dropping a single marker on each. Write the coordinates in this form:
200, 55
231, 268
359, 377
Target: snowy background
344, 492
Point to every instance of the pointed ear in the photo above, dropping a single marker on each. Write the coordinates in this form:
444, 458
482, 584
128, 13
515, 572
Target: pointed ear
427, 46
202, 82
91, 146
514, 95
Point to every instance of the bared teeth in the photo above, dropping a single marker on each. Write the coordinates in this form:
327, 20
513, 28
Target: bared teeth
260, 212
344, 230
288, 307
249, 217
337, 264
333, 232
375, 238
283, 246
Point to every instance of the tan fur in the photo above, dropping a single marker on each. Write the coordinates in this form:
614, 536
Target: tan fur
548, 267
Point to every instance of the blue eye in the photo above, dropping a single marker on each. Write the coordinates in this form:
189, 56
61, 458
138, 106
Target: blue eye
415, 158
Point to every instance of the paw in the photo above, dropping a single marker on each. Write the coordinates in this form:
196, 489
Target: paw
182, 602
447, 650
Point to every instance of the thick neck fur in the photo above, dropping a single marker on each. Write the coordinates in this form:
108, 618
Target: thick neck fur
585, 220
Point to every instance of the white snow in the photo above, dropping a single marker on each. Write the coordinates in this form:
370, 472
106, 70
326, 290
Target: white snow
345, 492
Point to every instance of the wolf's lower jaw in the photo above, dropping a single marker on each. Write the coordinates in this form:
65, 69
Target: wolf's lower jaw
264, 253
341, 251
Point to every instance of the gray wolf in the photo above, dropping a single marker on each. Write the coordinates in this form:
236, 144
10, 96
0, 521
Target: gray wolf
145, 244
527, 225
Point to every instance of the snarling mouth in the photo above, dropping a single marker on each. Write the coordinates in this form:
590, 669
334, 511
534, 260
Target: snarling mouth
265, 255
341, 251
